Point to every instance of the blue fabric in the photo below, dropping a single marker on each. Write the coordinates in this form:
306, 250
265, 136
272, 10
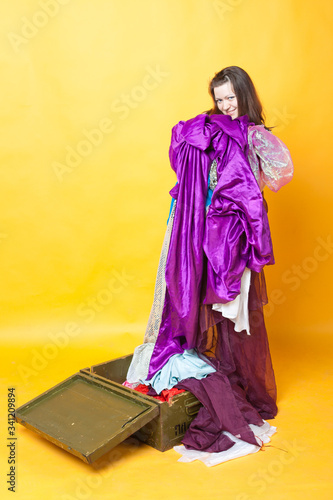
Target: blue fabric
208, 199
180, 367
172, 203
209, 194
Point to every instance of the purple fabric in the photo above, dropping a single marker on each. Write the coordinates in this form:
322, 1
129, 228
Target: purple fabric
234, 235
223, 410
242, 391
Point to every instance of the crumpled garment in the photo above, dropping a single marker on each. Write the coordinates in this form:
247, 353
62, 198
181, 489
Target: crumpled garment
234, 235
165, 395
178, 367
138, 369
239, 448
269, 158
238, 309
225, 408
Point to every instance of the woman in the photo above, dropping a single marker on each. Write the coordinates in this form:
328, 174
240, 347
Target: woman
206, 331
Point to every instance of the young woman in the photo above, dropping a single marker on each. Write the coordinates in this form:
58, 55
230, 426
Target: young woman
206, 332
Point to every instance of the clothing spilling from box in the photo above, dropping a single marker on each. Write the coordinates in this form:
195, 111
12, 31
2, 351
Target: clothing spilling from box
206, 330
203, 375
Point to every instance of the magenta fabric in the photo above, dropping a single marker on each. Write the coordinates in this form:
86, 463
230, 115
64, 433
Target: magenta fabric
208, 254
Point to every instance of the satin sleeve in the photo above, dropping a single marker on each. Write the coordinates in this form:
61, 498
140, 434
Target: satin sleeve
269, 158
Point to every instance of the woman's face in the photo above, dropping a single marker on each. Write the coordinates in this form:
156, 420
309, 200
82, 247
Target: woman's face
226, 99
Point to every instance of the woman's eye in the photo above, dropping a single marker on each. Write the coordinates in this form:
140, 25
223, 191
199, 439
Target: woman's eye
231, 97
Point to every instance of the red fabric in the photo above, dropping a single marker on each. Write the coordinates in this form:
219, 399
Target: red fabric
170, 393
166, 395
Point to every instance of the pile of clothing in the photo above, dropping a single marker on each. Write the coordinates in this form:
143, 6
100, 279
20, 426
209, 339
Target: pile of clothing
206, 331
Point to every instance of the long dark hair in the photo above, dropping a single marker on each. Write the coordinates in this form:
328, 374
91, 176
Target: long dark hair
247, 98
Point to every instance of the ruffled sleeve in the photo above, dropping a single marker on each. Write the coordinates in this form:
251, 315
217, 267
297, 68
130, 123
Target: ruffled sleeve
269, 158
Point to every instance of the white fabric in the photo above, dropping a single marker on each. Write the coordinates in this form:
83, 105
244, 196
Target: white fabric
239, 449
238, 310
139, 366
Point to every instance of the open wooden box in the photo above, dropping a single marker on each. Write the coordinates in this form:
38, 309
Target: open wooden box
91, 412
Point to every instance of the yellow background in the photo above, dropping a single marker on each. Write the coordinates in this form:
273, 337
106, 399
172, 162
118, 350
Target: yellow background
82, 220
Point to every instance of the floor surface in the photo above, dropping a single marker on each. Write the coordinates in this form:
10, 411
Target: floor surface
296, 465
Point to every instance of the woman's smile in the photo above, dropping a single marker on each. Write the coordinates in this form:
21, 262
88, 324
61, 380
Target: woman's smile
226, 100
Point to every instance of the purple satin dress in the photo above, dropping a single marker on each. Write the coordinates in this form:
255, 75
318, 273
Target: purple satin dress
206, 259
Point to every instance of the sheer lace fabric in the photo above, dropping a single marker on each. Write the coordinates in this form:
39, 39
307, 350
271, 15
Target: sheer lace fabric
155, 316
269, 158
138, 370
139, 366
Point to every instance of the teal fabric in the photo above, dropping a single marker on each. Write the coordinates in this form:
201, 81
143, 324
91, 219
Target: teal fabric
180, 367
208, 200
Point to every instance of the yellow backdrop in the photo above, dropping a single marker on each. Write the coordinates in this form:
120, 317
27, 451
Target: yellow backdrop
89, 93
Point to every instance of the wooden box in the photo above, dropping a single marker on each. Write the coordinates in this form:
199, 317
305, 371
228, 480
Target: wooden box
91, 412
